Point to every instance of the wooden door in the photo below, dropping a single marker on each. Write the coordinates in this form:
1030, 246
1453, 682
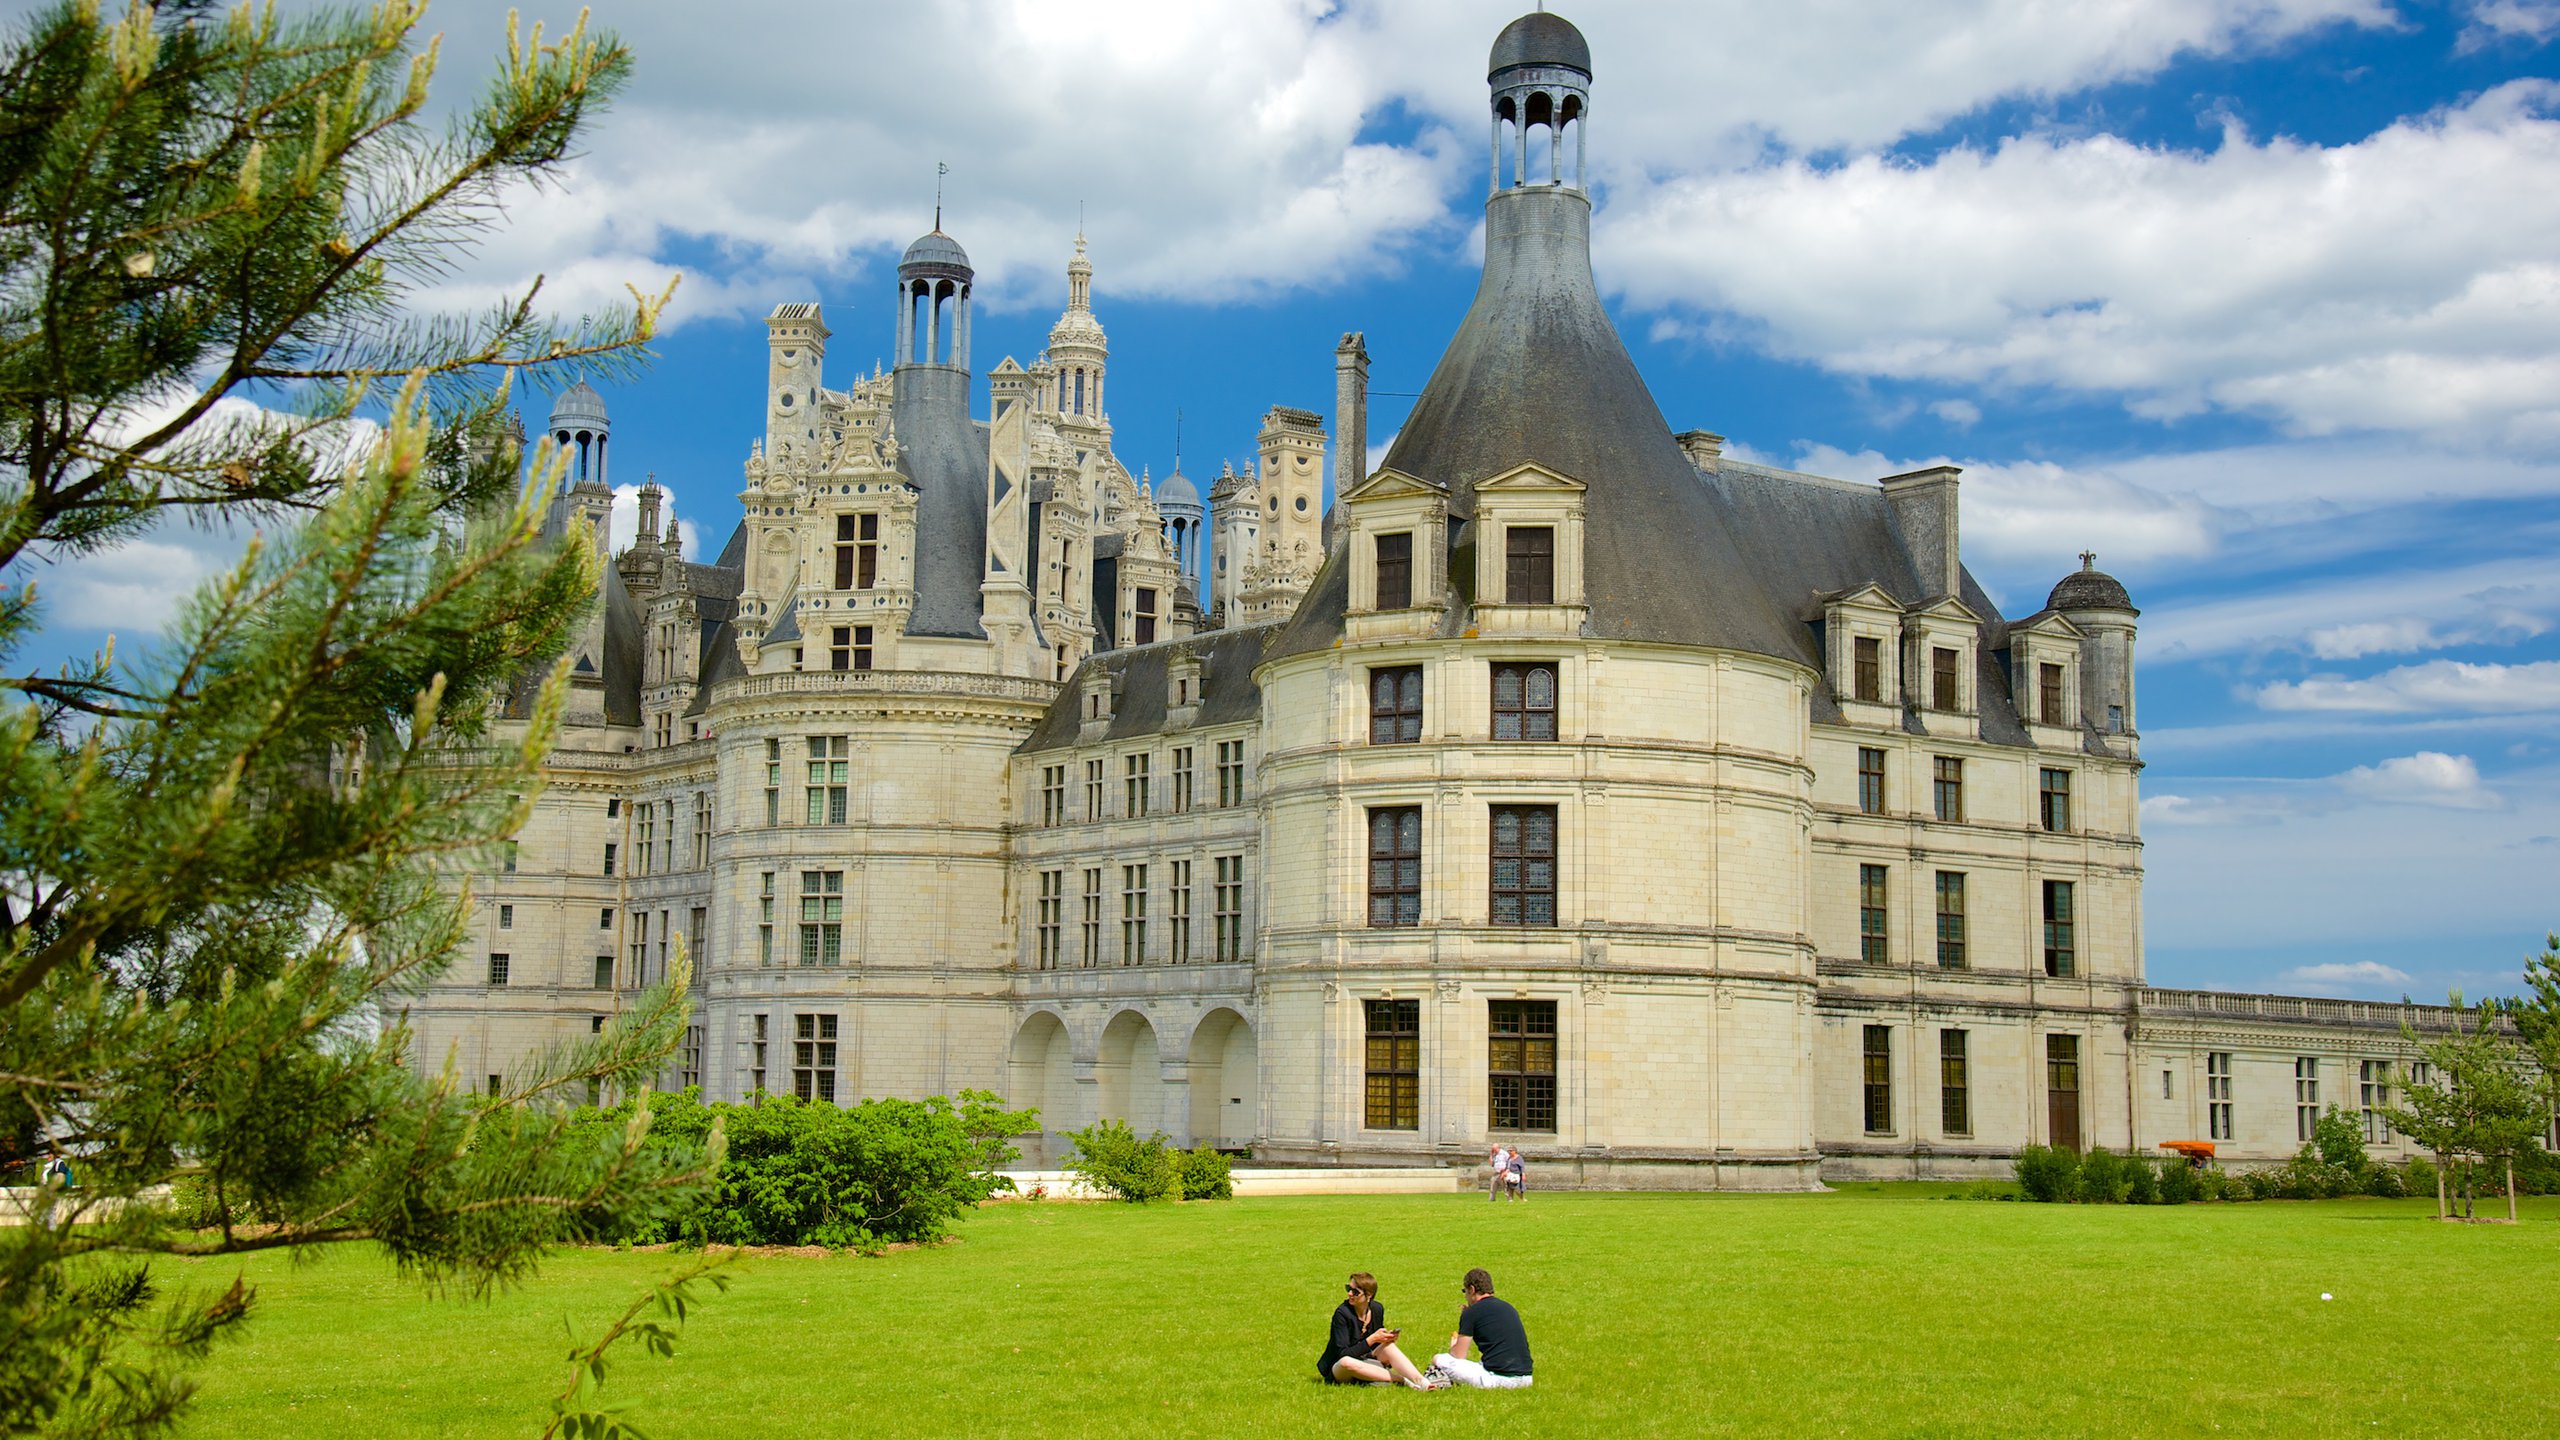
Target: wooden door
2062, 1090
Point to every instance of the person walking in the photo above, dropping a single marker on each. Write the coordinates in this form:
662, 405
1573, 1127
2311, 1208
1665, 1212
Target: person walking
1499, 1162
1494, 1328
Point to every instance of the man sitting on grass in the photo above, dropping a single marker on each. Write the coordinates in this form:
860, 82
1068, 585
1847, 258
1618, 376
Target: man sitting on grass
1496, 1330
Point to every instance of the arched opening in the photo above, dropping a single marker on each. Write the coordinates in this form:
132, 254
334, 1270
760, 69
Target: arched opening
1225, 1085
1079, 392
1128, 1081
1043, 1077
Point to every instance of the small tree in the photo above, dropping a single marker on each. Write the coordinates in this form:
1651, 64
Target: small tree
2537, 1021
2476, 1112
221, 866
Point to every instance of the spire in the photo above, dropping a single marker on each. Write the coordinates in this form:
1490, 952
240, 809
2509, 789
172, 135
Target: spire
1079, 280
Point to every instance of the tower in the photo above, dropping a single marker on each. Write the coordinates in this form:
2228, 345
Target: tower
1540, 74
939, 448
1079, 351
580, 427
796, 346
1292, 488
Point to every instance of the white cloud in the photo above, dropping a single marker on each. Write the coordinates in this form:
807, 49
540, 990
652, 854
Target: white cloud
2429, 777
2031, 517
136, 587
2434, 687
1957, 412
622, 525
2317, 285
1220, 151
2347, 977
2370, 611
2213, 810
2495, 20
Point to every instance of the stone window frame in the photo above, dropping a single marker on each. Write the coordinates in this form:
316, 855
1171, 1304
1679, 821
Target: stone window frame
1397, 694
1398, 886
1390, 502
1513, 1029
1875, 1079
1955, 1083
1865, 615
1532, 497
1391, 1064
1946, 624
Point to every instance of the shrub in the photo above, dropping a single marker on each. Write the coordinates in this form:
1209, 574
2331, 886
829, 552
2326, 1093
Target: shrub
2142, 1181
2047, 1174
1205, 1174
2180, 1182
2384, 1181
2418, 1175
2102, 1179
860, 1177
2339, 1138
1109, 1156
2212, 1183
2252, 1185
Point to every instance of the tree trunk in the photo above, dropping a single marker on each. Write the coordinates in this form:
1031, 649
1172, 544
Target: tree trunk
2511, 1189
2442, 1210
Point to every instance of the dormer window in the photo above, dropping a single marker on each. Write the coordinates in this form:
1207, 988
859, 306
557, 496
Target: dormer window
1395, 571
1529, 565
1942, 679
1869, 666
1142, 627
2049, 694
857, 552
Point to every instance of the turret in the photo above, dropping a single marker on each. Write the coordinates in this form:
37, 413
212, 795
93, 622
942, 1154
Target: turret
796, 347
1292, 488
2098, 604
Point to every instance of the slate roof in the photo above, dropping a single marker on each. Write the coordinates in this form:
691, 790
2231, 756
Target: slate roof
622, 651
1228, 693
1539, 39
1537, 373
945, 453
2089, 588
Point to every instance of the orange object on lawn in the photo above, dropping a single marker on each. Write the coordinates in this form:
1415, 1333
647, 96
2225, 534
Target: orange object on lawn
2196, 1151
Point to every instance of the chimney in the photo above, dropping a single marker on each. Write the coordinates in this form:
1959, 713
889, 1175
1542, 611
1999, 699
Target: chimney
1351, 414
1705, 448
1924, 511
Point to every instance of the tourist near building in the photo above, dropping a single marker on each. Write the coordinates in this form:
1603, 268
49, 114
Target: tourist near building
1563, 781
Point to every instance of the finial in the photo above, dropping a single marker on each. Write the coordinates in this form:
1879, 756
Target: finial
2088, 560
939, 170
1177, 440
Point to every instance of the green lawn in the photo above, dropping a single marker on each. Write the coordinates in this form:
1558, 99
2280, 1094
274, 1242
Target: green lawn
1885, 1313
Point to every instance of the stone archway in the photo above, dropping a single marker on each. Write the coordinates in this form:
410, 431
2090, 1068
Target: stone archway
1043, 1075
1225, 1081
1128, 1076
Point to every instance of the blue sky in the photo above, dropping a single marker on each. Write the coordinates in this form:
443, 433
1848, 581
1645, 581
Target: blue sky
2260, 300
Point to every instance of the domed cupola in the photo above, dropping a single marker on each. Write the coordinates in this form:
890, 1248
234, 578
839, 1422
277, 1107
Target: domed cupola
934, 280
1540, 72
2089, 588
578, 423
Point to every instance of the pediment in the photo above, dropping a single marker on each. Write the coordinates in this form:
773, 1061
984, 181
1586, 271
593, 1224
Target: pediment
1871, 596
1394, 485
2048, 623
1530, 478
1946, 607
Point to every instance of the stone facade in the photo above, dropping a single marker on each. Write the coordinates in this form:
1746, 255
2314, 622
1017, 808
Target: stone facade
1563, 781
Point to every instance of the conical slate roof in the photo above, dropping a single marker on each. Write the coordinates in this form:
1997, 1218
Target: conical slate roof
1537, 373
2089, 588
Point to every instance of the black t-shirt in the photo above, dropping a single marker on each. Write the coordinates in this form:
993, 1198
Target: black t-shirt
1496, 1329
1351, 1337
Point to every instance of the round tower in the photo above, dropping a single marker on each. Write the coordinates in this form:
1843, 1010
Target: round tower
1179, 502
934, 279
1540, 72
578, 423
2098, 603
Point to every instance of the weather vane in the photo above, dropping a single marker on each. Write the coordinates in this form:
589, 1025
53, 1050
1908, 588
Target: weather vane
939, 170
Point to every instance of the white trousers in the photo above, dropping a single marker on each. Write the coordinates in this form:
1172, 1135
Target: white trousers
1474, 1376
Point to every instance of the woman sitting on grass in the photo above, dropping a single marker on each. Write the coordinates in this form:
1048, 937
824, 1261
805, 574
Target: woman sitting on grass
1362, 1350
